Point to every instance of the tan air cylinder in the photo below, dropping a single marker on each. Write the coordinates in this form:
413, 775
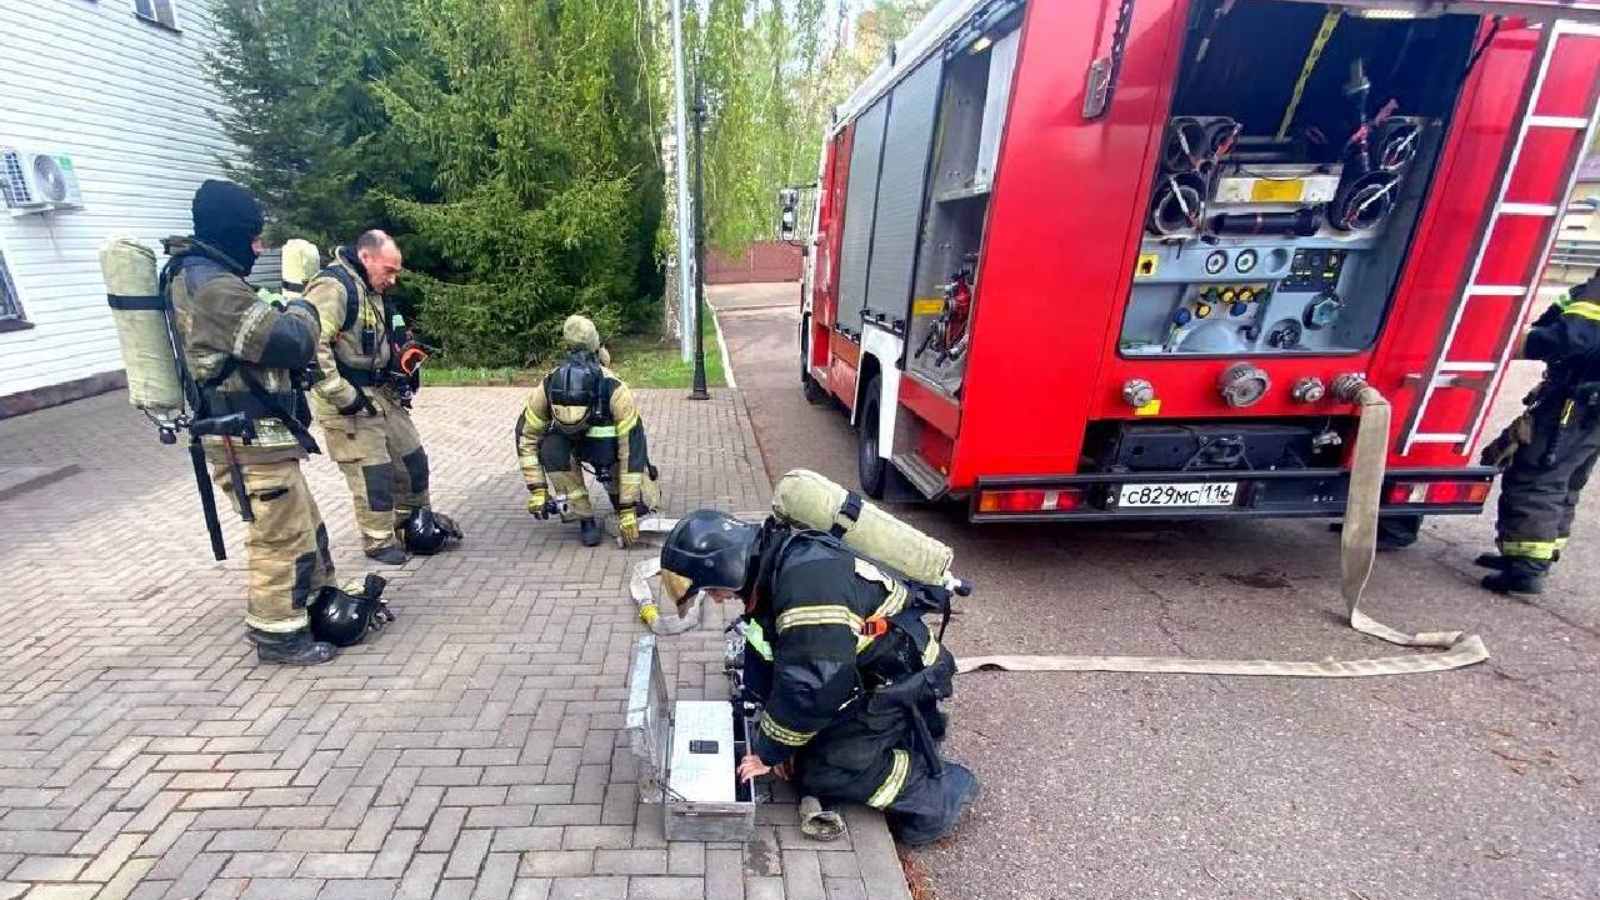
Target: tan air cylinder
808, 500
140, 314
301, 262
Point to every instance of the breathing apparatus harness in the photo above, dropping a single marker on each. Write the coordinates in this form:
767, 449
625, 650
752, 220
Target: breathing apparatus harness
903, 678
199, 419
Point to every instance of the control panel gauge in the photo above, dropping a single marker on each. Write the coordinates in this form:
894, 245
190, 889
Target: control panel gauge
1245, 262
1217, 262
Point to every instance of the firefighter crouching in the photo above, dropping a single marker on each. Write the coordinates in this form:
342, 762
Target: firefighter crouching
583, 413
836, 651
243, 357
1548, 452
369, 371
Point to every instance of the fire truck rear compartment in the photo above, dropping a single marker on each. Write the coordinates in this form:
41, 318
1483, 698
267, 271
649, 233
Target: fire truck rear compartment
1299, 151
1256, 445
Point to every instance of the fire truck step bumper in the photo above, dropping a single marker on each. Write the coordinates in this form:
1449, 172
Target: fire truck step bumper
1165, 496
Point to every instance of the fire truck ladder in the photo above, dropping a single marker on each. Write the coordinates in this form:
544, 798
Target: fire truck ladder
1483, 376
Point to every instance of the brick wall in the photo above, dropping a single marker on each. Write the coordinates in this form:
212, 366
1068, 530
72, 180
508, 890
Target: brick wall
768, 261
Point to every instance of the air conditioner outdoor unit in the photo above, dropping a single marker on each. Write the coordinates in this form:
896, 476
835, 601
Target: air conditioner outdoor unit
34, 181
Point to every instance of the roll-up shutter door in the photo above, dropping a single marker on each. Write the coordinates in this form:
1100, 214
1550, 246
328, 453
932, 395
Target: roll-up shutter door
900, 190
859, 206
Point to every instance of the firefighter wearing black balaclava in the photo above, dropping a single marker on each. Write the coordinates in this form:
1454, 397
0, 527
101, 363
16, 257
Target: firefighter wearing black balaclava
1549, 451
243, 356
583, 414
848, 675
363, 401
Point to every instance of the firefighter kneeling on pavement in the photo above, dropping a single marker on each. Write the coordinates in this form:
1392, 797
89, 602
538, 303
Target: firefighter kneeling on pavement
363, 400
1549, 451
836, 651
583, 413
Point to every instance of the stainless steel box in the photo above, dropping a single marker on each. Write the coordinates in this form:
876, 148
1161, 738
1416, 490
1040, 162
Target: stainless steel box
688, 752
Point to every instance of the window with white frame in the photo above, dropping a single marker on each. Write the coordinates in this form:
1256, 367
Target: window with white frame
159, 12
10, 304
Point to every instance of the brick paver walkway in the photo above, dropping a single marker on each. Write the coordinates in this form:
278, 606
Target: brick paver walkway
473, 750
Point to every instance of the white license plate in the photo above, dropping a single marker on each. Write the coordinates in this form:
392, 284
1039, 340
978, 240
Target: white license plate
1213, 493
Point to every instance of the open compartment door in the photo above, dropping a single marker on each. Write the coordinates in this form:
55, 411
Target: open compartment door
1535, 10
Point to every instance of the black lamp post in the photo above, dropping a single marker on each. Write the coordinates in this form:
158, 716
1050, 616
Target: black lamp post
699, 391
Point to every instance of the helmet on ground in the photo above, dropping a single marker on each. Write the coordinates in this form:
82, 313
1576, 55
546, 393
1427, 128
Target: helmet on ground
343, 618
425, 531
707, 549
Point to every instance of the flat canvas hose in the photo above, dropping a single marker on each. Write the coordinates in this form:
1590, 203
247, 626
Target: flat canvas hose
1358, 547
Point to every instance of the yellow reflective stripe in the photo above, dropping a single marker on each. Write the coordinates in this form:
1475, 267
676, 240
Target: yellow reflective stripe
1583, 309
627, 423
819, 615
863, 641
894, 603
528, 462
891, 787
785, 736
756, 639
1561, 543
1529, 549
602, 431
529, 417
576, 493
633, 478
930, 654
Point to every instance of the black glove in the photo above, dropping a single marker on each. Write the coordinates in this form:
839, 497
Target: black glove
362, 403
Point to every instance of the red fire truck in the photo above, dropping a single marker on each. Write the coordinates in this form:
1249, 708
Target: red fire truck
1109, 259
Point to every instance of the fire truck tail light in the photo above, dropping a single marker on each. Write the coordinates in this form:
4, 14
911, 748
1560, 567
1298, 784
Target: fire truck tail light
1025, 501
1437, 493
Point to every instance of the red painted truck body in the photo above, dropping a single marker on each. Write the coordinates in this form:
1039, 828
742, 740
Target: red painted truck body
1100, 350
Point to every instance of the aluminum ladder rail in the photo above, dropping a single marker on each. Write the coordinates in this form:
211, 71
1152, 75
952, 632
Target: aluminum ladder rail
1483, 376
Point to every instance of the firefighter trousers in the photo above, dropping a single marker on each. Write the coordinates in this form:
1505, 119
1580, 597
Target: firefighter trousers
385, 465
1540, 488
873, 756
287, 543
562, 458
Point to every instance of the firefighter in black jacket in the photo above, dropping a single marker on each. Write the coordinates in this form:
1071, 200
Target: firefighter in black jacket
848, 674
1548, 451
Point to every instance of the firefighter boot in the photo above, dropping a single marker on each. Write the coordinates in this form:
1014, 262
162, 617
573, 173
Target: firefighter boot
589, 531
1500, 563
1518, 577
296, 648
389, 555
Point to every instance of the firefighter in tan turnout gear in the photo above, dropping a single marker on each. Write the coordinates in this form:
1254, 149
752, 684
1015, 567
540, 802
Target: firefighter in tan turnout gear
244, 357
369, 369
582, 413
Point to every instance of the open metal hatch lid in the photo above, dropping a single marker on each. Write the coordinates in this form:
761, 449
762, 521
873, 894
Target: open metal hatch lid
1536, 10
649, 718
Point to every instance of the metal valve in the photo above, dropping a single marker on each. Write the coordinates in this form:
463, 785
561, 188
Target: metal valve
1347, 386
1308, 390
1243, 384
1137, 392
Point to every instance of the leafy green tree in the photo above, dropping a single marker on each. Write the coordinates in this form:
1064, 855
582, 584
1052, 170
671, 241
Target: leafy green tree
773, 71
510, 144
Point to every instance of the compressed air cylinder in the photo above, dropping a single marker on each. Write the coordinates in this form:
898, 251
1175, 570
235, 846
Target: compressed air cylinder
808, 500
139, 312
301, 261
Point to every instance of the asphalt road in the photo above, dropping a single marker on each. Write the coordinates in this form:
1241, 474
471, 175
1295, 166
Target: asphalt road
1479, 783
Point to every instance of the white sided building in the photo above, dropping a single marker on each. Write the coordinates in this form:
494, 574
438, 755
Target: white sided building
106, 129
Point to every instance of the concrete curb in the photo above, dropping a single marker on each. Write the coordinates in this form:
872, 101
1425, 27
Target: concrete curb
722, 347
